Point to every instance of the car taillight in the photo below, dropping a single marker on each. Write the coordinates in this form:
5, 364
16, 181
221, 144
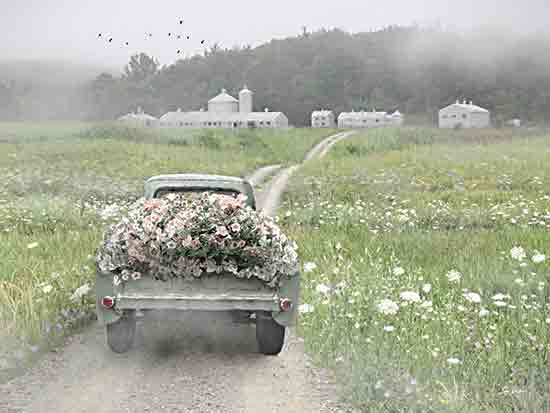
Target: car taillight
108, 302
285, 304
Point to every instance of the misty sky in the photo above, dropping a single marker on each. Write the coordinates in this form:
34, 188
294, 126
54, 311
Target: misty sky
67, 29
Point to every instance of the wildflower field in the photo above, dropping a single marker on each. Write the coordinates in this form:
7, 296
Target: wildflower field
63, 183
426, 269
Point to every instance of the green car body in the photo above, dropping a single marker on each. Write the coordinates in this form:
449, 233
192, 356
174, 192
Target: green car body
209, 293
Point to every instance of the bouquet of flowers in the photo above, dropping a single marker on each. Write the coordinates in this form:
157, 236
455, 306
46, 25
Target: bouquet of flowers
179, 235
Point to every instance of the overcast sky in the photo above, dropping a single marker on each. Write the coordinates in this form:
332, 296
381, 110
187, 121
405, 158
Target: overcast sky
68, 29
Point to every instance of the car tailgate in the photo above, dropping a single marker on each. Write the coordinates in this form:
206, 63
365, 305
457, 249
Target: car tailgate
208, 293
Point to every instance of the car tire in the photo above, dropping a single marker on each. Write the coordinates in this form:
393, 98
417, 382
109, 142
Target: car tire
269, 334
120, 334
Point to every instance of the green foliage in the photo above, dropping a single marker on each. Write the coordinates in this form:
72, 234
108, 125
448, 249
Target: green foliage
208, 139
386, 213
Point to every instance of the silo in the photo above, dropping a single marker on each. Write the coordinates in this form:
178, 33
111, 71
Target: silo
245, 100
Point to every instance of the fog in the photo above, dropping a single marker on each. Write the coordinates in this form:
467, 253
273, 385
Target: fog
68, 30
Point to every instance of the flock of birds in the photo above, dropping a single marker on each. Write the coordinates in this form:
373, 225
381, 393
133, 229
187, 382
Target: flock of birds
109, 39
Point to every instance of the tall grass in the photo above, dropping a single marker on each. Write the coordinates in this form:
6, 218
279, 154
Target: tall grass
62, 183
452, 228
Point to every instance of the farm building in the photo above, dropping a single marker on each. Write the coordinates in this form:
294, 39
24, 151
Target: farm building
369, 119
464, 115
139, 118
514, 123
323, 119
224, 111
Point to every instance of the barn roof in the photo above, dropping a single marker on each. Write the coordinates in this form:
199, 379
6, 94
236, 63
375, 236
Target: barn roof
220, 116
470, 107
322, 113
223, 97
137, 116
362, 115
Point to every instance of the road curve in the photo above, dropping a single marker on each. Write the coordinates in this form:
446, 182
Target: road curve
181, 362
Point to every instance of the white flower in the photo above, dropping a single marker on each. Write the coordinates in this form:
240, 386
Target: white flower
389, 329
305, 308
288, 213
453, 360
80, 292
538, 258
427, 288
483, 312
454, 276
426, 304
500, 303
499, 297
398, 271
411, 296
32, 245
472, 297
517, 253
387, 307
47, 289
322, 289
309, 266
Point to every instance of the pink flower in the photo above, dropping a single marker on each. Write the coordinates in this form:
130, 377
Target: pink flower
222, 231
235, 227
195, 244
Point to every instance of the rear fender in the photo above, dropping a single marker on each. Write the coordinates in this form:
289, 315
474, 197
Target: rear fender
289, 288
104, 287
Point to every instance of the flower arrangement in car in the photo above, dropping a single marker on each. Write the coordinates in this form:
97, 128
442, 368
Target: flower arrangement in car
191, 235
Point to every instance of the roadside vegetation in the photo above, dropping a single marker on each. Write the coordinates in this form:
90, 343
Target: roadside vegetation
63, 183
427, 268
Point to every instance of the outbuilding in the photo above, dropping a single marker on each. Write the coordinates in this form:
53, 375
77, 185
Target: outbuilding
372, 119
464, 115
323, 119
139, 118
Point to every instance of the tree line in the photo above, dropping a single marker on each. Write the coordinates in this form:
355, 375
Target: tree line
413, 69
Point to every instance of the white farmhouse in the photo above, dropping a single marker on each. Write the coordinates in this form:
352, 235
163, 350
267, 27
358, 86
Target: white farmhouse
224, 111
464, 115
323, 119
372, 119
139, 118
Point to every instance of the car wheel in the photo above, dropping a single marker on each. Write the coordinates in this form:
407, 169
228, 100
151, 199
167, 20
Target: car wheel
269, 334
120, 334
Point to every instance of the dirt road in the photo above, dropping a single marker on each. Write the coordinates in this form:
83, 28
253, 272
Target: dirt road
181, 362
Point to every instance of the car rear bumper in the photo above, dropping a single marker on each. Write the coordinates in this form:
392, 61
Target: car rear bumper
256, 301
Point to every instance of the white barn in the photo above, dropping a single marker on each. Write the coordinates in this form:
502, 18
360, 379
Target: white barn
464, 115
323, 119
139, 119
224, 111
369, 119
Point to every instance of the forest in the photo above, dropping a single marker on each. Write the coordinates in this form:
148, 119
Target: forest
416, 70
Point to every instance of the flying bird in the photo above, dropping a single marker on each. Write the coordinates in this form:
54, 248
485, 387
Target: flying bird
187, 37
99, 35
126, 43
169, 34
202, 41
110, 40
181, 21
178, 52
179, 36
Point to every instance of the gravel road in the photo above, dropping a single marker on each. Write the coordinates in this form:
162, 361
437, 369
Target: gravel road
181, 362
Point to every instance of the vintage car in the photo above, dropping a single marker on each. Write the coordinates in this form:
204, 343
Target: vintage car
272, 310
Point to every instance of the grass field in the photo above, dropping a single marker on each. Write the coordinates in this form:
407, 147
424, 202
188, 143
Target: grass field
427, 269
62, 183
